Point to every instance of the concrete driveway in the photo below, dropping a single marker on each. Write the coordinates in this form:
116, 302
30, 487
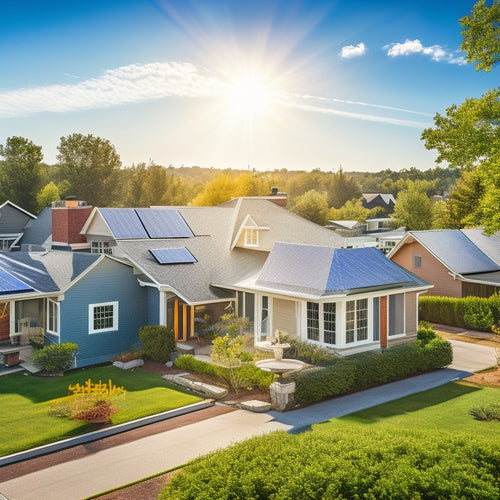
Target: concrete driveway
472, 357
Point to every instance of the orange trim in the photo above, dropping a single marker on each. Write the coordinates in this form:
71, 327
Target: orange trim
184, 321
176, 319
383, 321
3, 309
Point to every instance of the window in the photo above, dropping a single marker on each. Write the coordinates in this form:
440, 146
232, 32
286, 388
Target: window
101, 247
376, 318
52, 316
264, 326
6, 243
396, 314
417, 260
329, 313
251, 238
356, 320
103, 317
312, 321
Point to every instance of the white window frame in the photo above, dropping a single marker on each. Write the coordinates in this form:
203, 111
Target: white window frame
92, 310
251, 237
54, 307
332, 317
101, 247
357, 320
417, 260
402, 317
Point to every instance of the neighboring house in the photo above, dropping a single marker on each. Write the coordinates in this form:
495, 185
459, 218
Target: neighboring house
38, 233
458, 262
13, 220
350, 300
94, 301
379, 200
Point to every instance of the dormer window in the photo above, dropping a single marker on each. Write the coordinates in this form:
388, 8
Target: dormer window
251, 237
101, 247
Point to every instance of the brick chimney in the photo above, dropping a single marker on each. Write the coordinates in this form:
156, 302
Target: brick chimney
68, 218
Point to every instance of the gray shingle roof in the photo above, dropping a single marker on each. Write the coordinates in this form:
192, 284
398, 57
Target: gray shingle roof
462, 251
39, 231
46, 272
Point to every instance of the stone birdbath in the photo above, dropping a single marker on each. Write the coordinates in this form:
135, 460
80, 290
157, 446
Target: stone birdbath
281, 392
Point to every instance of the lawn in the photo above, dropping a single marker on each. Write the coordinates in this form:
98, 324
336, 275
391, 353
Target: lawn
25, 402
426, 445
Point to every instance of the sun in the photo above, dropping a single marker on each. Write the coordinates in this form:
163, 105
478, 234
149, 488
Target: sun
249, 94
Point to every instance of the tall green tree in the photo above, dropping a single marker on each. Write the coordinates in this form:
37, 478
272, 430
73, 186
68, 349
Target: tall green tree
21, 172
413, 208
342, 188
47, 195
91, 165
481, 35
312, 206
351, 210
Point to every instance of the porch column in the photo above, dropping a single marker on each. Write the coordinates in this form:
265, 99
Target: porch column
163, 309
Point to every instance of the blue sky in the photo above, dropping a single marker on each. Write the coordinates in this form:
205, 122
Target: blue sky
231, 84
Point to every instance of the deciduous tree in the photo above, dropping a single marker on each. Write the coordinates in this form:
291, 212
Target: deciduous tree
312, 206
47, 195
413, 208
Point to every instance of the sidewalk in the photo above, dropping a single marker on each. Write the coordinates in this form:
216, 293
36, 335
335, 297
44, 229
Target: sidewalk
114, 467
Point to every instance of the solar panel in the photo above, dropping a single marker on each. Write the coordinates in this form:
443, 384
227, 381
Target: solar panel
124, 223
173, 255
9, 284
164, 223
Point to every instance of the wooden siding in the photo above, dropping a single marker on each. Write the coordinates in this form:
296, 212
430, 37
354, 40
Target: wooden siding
383, 321
108, 281
284, 316
431, 270
153, 306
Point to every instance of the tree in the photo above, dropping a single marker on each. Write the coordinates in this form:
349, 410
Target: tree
352, 210
469, 133
413, 208
21, 172
47, 195
481, 35
91, 165
312, 206
342, 189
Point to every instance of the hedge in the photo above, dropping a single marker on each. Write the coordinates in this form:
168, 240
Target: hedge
368, 369
55, 358
468, 312
157, 342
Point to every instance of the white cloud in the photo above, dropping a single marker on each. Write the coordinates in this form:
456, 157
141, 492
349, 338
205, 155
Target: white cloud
127, 84
435, 52
352, 50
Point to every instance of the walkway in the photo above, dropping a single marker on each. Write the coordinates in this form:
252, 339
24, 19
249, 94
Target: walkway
113, 467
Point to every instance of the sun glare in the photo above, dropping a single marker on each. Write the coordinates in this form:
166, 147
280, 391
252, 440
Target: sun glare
249, 94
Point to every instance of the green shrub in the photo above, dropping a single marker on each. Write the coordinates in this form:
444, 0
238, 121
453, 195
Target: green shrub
158, 342
425, 335
55, 358
478, 314
312, 354
368, 369
488, 412
346, 464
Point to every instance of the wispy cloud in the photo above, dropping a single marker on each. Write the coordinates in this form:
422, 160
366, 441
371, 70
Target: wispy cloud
435, 52
127, 84
141, 83
352, 51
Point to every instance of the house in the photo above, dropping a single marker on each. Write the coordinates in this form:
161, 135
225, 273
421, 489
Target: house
458, 262
379, 200
13, 220
351, 300
94, 301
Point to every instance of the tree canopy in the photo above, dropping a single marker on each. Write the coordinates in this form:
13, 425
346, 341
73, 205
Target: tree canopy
481, 35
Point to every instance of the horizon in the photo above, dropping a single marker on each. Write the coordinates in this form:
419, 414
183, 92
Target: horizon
225, 85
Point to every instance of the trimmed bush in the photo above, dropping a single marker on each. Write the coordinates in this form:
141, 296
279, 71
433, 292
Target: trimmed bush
157, 342
469, 312
55, 358
363, 370
425, 335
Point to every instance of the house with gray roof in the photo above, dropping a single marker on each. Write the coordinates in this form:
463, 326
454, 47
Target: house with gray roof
458, 262
13, 221
55, 296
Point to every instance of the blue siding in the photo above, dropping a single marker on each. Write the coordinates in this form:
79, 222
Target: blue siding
109, 281
153, 306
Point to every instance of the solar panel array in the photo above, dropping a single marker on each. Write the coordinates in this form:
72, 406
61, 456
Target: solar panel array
173, 255
9, 284
146, 223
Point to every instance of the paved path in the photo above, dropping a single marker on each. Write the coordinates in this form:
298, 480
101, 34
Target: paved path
114, 467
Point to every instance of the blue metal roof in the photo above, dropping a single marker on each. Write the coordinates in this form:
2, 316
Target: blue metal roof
9, 284
164, 223
124, 223
456, 251
324, 270
173, 255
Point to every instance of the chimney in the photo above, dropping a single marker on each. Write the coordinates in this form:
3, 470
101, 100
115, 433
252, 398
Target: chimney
68, 217
277, 197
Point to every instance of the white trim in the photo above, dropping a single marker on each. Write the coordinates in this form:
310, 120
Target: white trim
18, 208
57, 331
251, 235
162, 311
91, 317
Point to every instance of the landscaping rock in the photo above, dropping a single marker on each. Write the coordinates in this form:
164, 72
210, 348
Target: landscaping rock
255, 405
129, 364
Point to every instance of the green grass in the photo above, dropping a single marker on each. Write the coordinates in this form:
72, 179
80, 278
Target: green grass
25, 402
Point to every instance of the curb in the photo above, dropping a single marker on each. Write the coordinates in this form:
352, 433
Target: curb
102, 433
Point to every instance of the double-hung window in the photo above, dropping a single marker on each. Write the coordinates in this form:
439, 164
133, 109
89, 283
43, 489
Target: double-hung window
251, 237
103, 317
356, 320
312, 321
329, 317
52, 316
397, 314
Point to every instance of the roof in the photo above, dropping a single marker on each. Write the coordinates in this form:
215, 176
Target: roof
13, 205
462, 251
9, 284
39, 231
323, 271
385, 197
48, 272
